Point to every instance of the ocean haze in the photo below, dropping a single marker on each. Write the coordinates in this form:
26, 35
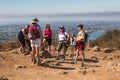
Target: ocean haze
57, 17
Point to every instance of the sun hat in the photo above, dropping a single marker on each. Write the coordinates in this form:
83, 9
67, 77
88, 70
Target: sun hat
35, 20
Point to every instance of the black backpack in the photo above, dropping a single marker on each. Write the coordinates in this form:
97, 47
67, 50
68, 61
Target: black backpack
86, 36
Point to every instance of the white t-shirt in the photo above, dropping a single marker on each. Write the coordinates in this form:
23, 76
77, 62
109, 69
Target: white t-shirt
62, 36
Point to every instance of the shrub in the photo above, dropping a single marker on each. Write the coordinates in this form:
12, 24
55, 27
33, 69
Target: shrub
111, 39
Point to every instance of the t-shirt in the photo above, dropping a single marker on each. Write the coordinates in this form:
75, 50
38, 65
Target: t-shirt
81, 36
62, 36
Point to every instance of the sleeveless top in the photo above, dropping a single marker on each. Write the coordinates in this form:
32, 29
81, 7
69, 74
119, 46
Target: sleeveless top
62, 36
48, 33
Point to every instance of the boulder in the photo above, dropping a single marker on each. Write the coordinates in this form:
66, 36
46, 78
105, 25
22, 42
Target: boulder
107, 50
96, 49
45, 54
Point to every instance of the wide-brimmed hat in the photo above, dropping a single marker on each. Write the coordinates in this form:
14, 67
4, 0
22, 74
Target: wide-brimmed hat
35, 20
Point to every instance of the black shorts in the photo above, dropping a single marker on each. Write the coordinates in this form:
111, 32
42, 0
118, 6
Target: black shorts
21, 38
49, 41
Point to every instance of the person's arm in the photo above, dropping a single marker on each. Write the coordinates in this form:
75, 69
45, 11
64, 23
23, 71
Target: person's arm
83, 36
68, 36
23, 31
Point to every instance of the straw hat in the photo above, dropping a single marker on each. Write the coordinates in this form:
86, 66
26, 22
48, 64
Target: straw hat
35, 20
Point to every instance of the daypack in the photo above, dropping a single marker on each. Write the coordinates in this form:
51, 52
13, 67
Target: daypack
32, 32
86, 37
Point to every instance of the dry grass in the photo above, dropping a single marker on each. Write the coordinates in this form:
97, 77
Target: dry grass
9, 45
111, 39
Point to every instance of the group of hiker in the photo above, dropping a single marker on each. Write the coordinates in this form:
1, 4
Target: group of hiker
35, 38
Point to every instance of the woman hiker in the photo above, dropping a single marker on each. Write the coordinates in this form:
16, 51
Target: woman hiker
47, 34
63, 38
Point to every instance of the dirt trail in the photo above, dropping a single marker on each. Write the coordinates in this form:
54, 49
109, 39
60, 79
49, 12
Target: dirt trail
16, 66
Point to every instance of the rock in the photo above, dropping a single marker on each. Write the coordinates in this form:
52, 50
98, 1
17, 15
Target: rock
45, 54
3, 78
107, 50
45, 63
19, 66
63, 72
83, 71
94, 59
96, 49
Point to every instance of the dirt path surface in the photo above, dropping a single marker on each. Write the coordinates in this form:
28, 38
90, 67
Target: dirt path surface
98, 66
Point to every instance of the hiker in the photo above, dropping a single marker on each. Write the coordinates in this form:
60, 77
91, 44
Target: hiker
47, 34
34, 35
80, 44
72, 44
63, 38
23, 39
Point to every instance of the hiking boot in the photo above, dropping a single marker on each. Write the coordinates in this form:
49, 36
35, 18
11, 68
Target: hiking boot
39, 62
34, 61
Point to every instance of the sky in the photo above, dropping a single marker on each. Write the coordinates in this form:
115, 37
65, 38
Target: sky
25, 7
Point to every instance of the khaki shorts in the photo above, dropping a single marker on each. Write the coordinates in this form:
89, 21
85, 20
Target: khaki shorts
62, 45
35, 43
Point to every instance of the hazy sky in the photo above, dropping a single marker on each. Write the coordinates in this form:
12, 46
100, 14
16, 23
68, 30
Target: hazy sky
8, 7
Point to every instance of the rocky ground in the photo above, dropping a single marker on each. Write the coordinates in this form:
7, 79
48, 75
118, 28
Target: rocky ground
98, 66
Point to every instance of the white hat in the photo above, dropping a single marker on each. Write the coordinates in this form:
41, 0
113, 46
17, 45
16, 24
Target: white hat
35, 20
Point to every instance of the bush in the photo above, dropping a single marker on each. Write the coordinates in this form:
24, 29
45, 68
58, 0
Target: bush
111, 39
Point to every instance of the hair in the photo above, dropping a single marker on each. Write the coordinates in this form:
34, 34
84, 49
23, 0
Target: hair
80, 26
27, 26
47, 26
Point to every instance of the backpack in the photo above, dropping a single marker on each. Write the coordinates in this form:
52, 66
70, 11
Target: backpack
86, 37
32, 32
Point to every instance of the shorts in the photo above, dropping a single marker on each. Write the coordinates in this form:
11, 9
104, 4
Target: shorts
80, 45
49, 41
21, 38
35, 43
62, 45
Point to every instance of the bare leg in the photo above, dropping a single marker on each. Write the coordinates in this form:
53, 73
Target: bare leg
37, 52
76, 57
57, 58
49, 48
38, 56
33, 55
83, 58
20, 50
43, 43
